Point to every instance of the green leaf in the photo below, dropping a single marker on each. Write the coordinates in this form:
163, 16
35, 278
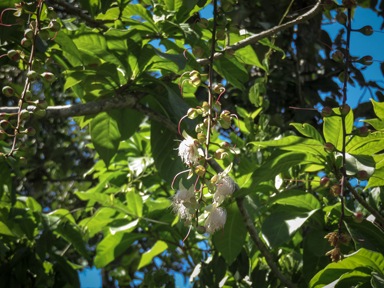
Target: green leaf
63, 214
186, 10
280, 162
333, 129
33, 205
173, 5
135, 202
281, 225
366, 235
377, 280
246, 54
356, 163
377, 179
376, 123
309, 131
123, 225
296, 198
4, 230
147, 257
105, 134
231, 242
361, 259
295, 143
266, 42
74, 237
176, 58
67, 45
75, 78
67, 272
90, 5
138, 10
232, 71
113, 246
129, 122
379, 109
368, 145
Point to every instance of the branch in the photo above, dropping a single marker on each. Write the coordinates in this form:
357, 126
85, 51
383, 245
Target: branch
78, 12
260, 244
364, 203
255, 38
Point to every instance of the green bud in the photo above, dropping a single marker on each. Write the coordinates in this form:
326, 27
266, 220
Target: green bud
13, 55
366, 30
192, 113
48, 76
51, 14
32, 75
4, 124
329, 147
220, 154
203, 23
200, 170
3, 135
30, 131
220, 35
197, 51
28, 34
201, 138
26, 42
41, 104
200, 229
25, 115
44, 34
2, 156
344, 109
54, 26
39, 113
8, 91
28, 96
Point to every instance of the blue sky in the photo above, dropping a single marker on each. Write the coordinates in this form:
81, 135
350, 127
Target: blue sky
360, 46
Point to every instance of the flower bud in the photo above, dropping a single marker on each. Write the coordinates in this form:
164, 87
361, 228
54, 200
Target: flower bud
54, 26
225, 115
328, 5
203, 23
345, 238
335, 190
200, 170
362, 131
226, 6
362, 175
22, 104
36, 65
195, 81
24, 115
366, 60
44, 34
26, 42
201, 138
51, 14
225, 145
366, 30
358, 217
344, 109
2, 156
324, 181
197, 51
214, 179
338, 56
218, 88
39, 113
13, 55
220, 154
221, 20
229, 53
28, 34
30, 131
32, 75
199, 128
341, 18
194, 73
326, 112
28, 96
48, 76
4, 124
3, 135
200, 229
8, 91
192, 113
220, 35
329, 147
342, 77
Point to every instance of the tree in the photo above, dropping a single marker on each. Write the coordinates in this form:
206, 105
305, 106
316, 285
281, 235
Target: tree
94, 94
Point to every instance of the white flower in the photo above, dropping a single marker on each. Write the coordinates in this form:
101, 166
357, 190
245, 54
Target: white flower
184, 202
215, 220
225, 187
188, 150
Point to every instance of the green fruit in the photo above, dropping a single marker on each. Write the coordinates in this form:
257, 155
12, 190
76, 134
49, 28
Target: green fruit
8, 91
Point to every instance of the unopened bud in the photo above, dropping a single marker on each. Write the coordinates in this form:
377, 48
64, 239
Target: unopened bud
200, 229
225, 145
219, 88
344, 109
48, 76
199, 128
366, 30
13, 55
345, 238
342, 77
362, 175
3, 135
362, 131
30, 131
26, 42
203, 23
326, 112
192, 113
220, 154
44, 34
24, 115
197, 51
195, 81
39, 113
220, 35
32, 75
338, 56
329, 147
221, 20
28, 34
214, 179
200, 170
225, 115
51, 13
4, 124
324, 181
226, 6
41, 104
335, 190
366, 60
341, 18
358, 217
8, 91
54, 26
201, 138
28, 96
